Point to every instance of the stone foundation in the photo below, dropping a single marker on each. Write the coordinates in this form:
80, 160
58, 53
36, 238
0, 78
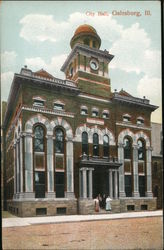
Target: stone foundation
83, 206
43, 207
86, 206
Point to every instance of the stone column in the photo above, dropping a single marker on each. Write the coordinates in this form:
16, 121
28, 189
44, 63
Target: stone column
21, 163
80, 182
29, 166
148, 172
110, 184
135, 172
116, 184
90, 183
84, 174
121, 171
50, 170
69, 164
17, 167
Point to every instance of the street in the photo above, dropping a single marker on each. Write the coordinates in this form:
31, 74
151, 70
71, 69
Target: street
129, 233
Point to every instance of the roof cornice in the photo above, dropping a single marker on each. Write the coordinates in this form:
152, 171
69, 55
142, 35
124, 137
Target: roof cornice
19, 79
134, 101
86, 49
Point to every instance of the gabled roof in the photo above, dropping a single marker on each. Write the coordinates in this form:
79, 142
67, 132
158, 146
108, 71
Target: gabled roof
124, 93
43, 73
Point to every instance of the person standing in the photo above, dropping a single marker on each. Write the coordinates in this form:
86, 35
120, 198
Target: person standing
100, 200
108, 203
97, 206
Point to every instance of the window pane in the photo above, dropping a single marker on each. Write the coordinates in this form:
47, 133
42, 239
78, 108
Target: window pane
106, 140
59, 142
39, 184
128, 185
58, 106
39, 103
95, 139
84, 138
127, 149
84, 143
140, 150
142, 186
39, 139
59, 181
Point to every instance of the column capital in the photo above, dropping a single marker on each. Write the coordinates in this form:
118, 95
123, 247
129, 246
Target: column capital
27, 134
69, 139
148, 148
49, 137
135, 146
120, 145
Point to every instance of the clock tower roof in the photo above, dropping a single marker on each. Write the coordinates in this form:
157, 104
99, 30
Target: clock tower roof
85, 28
87, 35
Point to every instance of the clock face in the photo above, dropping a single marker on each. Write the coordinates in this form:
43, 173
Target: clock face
94, 64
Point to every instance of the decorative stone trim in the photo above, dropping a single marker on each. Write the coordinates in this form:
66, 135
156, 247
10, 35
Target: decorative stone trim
133, 126
94, 98
91, 131
46, 111
61, 122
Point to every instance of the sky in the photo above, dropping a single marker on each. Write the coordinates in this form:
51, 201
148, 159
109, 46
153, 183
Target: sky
38, 34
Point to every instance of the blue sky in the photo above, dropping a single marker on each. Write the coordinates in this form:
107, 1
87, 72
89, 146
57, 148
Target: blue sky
38, 34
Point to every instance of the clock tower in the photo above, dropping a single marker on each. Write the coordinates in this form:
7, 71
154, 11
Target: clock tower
87, 65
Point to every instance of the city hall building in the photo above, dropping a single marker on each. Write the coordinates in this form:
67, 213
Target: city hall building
66, 141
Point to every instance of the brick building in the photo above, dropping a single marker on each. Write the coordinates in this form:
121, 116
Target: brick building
157, 163
66, 141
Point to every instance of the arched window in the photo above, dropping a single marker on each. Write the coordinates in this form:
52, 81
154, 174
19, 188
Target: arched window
106, 145
141, 150
38, 139
127, 148
39, 161
95, 145
85, 143
59, 142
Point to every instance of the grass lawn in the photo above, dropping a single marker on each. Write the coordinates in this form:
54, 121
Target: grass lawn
6, 214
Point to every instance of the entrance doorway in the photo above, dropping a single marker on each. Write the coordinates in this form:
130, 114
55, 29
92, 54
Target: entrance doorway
100, 181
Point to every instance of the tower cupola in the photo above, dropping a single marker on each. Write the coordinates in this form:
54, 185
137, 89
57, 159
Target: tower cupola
87, 35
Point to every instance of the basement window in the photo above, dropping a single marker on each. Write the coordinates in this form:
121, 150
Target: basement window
61, 210
41, 211
144, 207
130, 207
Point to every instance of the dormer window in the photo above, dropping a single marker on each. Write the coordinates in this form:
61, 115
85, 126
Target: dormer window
105, 114
95, 112
84, 110
126, 118
38, 102
58, 105
140, 121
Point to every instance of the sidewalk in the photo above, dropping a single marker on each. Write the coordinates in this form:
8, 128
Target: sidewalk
19, 222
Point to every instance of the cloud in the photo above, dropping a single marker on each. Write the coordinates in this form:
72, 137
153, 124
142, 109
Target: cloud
53, 67
41, 28
151, 88
8, 60
6, 80
133, 52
